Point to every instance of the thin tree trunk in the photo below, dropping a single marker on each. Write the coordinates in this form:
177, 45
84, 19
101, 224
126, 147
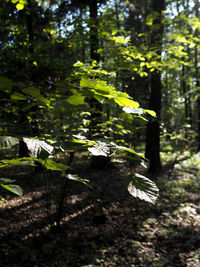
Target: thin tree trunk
197, 80
98, 162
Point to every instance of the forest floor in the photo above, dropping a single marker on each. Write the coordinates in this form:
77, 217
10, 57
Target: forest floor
105, 226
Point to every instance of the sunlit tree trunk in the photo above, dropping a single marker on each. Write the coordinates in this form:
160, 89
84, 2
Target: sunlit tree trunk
152, 151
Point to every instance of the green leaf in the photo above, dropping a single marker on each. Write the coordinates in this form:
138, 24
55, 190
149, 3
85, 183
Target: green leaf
16, 162
16, 189
35, 93
142, 187
130, 150
6, 183
76, 178
7, 142
20, 6
86, 83
76, 99
32, 91
6, 84
126, 102
54, 166
78, 64
122, 94
43, 100
18, 96
150, 112
151, 17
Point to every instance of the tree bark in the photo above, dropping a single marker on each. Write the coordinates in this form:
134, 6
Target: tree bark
152, 151
97, 162
197, 80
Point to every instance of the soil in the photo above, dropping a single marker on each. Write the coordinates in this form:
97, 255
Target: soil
103, 226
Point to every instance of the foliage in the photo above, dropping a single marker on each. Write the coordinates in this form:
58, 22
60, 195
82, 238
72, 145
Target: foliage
8, 185
47, 102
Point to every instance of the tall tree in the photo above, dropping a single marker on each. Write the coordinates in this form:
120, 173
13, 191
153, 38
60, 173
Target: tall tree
197, 74
152, 151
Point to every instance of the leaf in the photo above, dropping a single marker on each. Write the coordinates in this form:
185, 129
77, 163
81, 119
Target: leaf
32, 91
151, 112
38, 148
54, 166
76, 178
16, 162
20, 6
17, 96
78, 64
142, 187
86, 83
7, 142
6, 183
126, 102
43, 100
138, 111
151, 17
6, 84
100, 150
130, 150
16, 189
76, 99
35, 92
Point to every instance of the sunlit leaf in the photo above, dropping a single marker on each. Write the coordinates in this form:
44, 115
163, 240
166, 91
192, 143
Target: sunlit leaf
20, 6
38, 148
100, 150
16, 189
151, 112
133, 110
7, 184
143, 188
15, 162
54, 166
126, 102
86, 83
78, 64
76, 100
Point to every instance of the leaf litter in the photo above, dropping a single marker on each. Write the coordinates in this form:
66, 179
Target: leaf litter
105, 226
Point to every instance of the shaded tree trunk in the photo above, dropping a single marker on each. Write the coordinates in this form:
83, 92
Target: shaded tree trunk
152, 151
197, 80
98, 162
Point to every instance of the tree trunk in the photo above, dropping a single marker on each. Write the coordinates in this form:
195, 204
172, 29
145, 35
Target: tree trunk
97, 162
152, 151
197, 80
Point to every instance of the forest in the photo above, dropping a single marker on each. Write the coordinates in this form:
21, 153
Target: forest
100, 133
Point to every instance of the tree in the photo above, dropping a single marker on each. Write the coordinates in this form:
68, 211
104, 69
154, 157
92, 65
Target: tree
197, 74
152, 151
